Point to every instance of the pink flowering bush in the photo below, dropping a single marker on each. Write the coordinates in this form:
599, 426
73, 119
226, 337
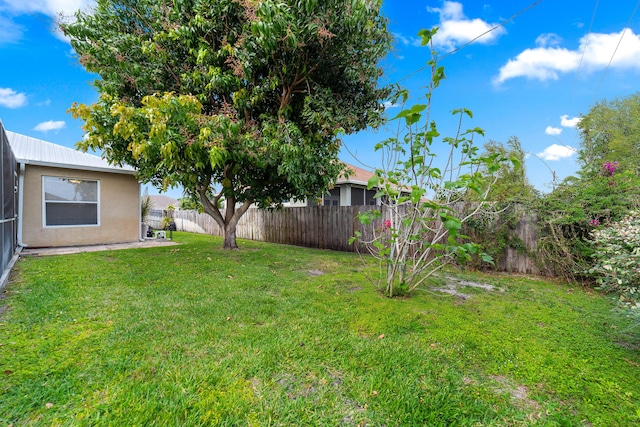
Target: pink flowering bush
617, 260
609, 168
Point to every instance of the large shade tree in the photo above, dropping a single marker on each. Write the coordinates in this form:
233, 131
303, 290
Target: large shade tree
241, 100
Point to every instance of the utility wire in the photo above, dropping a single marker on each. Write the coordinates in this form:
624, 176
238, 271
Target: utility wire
616, 50
502, 24
586, 42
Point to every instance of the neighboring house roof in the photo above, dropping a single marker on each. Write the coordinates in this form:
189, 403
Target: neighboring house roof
161, 202
359, 176
35, 151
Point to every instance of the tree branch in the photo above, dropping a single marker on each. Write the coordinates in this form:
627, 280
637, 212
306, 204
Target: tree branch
210, 208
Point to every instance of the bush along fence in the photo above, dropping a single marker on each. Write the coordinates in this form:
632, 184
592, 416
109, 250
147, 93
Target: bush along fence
510, 236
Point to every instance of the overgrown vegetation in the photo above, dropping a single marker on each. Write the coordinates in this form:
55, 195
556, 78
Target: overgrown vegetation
604, 191
275, 335
494, 230
569, 214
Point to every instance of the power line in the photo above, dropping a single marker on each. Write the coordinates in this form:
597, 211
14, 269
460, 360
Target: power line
593, 17
616, 50
502, 24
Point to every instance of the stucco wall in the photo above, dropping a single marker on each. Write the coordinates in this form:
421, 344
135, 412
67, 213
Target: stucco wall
118, 210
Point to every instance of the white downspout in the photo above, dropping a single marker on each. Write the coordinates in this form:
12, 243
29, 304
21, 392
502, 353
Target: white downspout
20, 205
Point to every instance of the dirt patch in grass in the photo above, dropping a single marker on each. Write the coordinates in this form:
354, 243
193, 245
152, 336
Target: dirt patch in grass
453, 286
519, 395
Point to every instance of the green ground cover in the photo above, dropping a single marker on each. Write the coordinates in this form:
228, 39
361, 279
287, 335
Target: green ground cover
192, 335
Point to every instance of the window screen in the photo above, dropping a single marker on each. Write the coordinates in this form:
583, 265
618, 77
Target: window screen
69, 201
370, 198
357, 196
332, 198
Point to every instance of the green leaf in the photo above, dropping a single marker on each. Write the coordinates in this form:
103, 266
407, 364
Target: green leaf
487, 258
416, 194
427, 35
438, 76
453, 224
373, 182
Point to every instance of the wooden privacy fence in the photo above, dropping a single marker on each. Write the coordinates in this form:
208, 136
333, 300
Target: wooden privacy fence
331, 227
323, 227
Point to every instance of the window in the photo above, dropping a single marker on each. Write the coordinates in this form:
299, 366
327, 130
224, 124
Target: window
357, 196
70, 202
370, 198
332, 198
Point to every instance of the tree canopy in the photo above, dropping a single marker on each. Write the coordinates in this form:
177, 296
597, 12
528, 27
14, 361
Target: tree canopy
511, 184
241, 100
610, 132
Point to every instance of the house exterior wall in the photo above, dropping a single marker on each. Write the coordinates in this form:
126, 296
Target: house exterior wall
118, 208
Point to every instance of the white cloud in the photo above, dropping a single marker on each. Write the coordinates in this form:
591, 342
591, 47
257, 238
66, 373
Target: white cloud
455, 29
540, 63
547, 63
50, 125
11, 99
548, 39
48, 7
402, 39
10, 32
552, 131
58, 9
389, 104
557, 152
565, 121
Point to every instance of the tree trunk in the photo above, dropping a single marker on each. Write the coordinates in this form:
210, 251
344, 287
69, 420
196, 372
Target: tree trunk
229, 221
230, 237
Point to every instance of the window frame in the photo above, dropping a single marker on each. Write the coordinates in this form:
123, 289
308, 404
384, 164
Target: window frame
62, 202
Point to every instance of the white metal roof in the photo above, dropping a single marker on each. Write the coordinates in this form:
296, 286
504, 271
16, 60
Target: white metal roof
35, 151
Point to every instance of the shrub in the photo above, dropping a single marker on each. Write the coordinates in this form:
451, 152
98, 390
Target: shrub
166, 221
569, 214
420, 233
616, 258
146, 204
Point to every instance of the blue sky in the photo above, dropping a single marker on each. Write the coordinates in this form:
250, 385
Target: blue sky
530, 78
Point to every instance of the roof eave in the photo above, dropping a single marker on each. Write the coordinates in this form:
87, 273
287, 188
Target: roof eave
338, 182
76, 167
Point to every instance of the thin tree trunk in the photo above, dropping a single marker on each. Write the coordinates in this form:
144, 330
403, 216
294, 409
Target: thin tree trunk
229, 222
230, 237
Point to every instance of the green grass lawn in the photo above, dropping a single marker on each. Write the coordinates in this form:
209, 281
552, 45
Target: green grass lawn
192, 335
